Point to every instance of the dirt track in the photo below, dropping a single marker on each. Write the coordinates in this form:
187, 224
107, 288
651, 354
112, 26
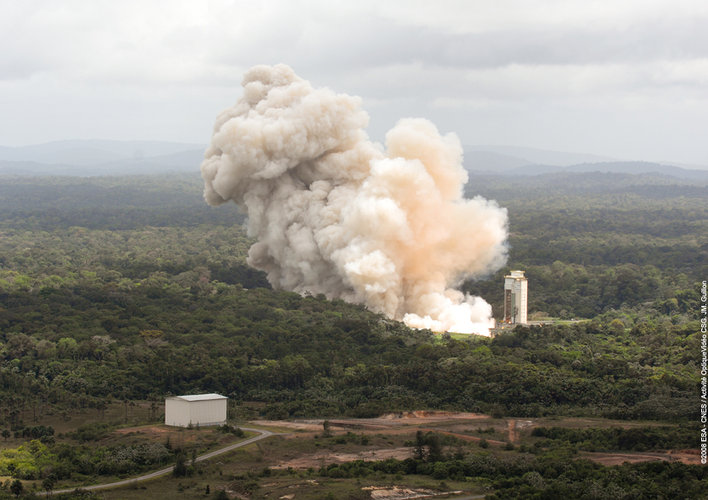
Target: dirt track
261, 434
447, 423
388, 421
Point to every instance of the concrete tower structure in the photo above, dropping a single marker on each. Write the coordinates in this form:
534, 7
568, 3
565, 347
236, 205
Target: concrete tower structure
516, 289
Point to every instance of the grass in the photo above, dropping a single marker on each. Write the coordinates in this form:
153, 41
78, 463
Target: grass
305, 486
246, 471
117, 413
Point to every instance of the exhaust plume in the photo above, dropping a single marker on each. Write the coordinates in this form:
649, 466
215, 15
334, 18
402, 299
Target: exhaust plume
334, 213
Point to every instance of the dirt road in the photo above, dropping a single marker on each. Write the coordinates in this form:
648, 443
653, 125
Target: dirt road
262, 434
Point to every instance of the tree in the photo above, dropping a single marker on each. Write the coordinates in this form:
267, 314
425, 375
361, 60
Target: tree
427, 447
16, 487
48, 483
419, 449
180, 469
434, 447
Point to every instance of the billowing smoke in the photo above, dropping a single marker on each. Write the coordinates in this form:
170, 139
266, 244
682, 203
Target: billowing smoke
334, 213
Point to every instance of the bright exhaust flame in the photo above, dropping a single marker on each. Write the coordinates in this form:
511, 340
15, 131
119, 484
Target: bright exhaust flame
334, 214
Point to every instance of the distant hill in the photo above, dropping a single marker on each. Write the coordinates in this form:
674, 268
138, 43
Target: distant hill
491, 162
93, 151
88, 158
498, 156
498, 160
639, 167
33, 168
616, 167
100, 157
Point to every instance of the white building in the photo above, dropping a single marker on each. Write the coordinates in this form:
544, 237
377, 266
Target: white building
515, 297
197, 410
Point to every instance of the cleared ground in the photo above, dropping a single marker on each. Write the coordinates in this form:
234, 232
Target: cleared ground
286, 465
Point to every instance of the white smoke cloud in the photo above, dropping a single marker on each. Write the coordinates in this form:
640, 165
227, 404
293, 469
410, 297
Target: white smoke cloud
334, 214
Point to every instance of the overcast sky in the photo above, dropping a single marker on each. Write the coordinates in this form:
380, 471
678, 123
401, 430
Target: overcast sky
621, 78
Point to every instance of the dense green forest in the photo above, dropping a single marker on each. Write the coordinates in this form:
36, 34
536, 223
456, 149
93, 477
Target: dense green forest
632, 246
133, 288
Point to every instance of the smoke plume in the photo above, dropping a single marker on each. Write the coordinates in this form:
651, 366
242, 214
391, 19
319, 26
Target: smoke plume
334, 213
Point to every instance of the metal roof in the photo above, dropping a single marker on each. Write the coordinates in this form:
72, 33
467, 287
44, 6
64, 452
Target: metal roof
201, 397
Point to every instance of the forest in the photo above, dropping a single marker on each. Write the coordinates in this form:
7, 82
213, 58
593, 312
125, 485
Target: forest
131, 288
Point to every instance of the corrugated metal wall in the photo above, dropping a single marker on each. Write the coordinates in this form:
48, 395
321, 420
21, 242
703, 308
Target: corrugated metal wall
181, 413
212, 412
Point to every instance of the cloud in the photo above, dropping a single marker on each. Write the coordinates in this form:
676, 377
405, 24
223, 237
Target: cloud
403, 58
168, 41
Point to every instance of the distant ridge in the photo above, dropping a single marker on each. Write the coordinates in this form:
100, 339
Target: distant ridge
96, 157
100, 157
537, 156
497, 162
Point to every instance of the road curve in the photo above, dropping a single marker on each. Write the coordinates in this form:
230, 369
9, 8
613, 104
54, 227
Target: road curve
125, 482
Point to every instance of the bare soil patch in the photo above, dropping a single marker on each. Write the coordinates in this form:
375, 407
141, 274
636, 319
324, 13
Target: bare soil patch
326, 457
689, 457
402, 493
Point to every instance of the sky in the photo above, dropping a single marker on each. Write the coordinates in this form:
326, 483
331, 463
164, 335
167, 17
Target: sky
620, 78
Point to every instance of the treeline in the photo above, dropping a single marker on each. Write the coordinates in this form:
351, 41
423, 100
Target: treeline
616, 438
589, 243
59, 461
84, 344
52, 194
102, 306
76, 256
523, 477
597, 244
586, 189
109, 203
627, 291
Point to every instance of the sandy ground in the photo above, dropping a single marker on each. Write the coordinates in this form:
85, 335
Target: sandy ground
325, 458
376, 492
690, 457
401, 493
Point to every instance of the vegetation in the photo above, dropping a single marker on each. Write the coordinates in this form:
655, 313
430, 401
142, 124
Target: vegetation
622, 246
635, 439
118, 289
545, 477
60, 461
